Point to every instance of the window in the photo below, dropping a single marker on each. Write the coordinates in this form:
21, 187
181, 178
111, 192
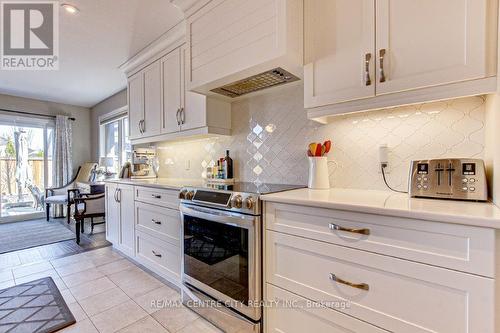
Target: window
114, 140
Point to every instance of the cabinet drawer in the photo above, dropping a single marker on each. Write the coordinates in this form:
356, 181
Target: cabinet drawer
399, 295
458, 247
161, 257
290, 313
155, 196
160, 222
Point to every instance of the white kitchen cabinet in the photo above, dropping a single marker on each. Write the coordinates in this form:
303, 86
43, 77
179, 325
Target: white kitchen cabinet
420, 51
127, 220
430, 42
112, 214
172, 91
339, 51
306, 316
144, 100
161, 108
135, 96
152, 99
120, 223
396, 274
184, 110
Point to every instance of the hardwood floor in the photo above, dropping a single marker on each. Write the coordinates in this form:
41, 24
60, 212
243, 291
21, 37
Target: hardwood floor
56, 250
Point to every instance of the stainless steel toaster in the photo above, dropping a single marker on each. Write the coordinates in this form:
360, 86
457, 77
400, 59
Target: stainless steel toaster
450, 178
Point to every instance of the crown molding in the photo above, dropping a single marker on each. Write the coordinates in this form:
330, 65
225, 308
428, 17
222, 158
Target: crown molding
189, 7
169, 40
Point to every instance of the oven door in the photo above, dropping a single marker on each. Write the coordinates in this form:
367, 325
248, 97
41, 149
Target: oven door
222, 256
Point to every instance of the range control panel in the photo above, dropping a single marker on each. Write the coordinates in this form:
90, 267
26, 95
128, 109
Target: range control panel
461, 179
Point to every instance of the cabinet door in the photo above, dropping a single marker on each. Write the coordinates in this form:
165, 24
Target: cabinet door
135, 104
152, 99
339, 51
194, 110
430, 42
127, 220
112, 214
172, 90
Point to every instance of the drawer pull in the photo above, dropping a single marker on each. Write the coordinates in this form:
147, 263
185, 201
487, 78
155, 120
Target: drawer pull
334, 226
156, 196
155, 221
362, 286
156, 254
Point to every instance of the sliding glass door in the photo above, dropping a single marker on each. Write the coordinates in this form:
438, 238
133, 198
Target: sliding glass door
25, 166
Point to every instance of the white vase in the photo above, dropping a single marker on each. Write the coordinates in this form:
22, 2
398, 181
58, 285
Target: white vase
318, 173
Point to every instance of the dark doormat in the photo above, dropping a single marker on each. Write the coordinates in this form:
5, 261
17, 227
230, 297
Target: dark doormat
22, 235
35, 306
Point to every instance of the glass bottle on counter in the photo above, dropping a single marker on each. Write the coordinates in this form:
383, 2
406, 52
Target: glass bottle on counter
227, 166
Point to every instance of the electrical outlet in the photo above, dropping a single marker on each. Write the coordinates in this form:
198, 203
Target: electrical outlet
187, 165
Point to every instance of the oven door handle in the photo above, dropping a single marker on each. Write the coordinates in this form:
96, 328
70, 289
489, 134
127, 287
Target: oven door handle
220, 216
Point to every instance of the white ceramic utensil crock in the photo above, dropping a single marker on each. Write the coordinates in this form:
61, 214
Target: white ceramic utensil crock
318, 173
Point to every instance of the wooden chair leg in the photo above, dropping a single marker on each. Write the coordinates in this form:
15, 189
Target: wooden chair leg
77, 231
68, 212
82, 225
47, 210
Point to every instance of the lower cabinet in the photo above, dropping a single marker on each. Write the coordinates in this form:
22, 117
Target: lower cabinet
290, 313
120, 217
144, 223
161, 257
352, 285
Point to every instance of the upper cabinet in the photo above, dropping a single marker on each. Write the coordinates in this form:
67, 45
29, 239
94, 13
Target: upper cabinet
144, 101
232, 40
339, 51
368, 54
161, 108
430, 42
135, 97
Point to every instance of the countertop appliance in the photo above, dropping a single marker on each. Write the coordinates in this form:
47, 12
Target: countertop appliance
222, 253
143, 161
449, 178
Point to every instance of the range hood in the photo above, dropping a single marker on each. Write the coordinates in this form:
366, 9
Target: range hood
238, 47
269, 79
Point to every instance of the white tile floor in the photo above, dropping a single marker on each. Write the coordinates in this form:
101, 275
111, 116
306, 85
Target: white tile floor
108, 293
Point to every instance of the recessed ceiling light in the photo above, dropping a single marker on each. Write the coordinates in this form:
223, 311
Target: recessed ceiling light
70, 8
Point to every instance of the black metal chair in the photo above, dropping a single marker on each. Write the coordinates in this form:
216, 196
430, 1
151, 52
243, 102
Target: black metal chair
88, 206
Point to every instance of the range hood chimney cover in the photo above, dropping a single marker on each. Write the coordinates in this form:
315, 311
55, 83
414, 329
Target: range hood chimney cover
271, 78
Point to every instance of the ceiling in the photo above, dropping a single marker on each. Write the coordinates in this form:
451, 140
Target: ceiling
92, 44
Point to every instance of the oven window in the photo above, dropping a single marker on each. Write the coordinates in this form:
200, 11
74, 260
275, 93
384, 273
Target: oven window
216, 254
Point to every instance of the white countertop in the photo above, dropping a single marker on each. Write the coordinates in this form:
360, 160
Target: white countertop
481, 214
166, 183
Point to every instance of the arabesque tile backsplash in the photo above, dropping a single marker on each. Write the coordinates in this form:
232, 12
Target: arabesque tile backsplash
271, 133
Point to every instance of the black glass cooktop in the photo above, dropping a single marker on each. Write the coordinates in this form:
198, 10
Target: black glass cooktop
256, 188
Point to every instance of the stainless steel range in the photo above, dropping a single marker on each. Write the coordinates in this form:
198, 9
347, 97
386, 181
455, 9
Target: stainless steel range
222, 253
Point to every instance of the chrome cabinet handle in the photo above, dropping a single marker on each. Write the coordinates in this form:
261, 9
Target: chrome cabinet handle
363, 231
156, 254
183, 116
362, 286
156, 196
177, 116
143, 126
140, 126
115, 195
381, 61
119, 195
368, 58
155, 221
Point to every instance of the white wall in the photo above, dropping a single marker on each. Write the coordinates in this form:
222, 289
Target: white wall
81, 126
110, 104
271, 133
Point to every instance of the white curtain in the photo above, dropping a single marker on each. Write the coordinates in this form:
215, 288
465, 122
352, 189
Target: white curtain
62, 165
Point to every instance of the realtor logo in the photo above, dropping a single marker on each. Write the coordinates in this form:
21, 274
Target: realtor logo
29, 35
